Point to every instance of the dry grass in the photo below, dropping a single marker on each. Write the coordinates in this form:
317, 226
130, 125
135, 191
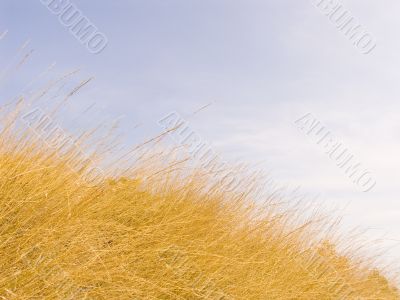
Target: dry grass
156, 232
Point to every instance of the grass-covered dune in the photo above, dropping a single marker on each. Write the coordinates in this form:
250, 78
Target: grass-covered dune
158, 229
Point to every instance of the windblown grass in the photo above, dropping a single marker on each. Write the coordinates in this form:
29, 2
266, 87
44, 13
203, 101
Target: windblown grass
158, 231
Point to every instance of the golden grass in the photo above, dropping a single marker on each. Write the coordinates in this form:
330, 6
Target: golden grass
157, 231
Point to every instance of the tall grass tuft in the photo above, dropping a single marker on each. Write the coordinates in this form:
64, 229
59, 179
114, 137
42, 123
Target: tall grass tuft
159, 229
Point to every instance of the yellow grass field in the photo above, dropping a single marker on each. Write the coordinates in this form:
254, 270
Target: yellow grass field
158, 229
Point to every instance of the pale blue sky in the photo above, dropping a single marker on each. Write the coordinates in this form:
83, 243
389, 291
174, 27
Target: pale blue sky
262, 63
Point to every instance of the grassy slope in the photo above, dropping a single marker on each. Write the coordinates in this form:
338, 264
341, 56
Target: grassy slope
155, 237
